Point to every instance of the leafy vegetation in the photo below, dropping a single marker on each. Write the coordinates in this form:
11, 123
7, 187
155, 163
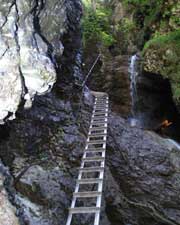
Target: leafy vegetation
96, 24
155, 15
172, 38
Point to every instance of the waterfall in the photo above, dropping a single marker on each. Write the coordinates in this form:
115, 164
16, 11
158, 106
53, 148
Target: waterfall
133, 72
133, 75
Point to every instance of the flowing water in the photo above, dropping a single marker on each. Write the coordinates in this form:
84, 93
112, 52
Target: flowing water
133, 72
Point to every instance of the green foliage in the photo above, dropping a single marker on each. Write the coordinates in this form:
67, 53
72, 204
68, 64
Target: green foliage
87, 3
176, 91
107, 39
152, 11
126, 26
96, 25
160, 40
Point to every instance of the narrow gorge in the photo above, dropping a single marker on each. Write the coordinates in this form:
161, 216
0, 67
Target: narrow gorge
48, 48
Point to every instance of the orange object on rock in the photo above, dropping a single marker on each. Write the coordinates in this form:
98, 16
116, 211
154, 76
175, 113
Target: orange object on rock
166, 123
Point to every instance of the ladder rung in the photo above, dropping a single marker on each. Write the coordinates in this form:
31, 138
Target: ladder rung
87, 194
95, 121
104, 106
96, 117
99, 119
91, 169
101, 103
91, 159
98, 128
96, 142
96, 139
80, 210
94, 113
100, 107
97, 135
105, 101
99, 123
100, 114
101, 100
90, 181
100, 110
94, 150
103, 109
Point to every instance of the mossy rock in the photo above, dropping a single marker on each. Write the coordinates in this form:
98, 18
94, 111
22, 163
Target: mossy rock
162, 56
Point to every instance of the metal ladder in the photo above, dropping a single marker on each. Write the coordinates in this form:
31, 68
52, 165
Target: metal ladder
94, 152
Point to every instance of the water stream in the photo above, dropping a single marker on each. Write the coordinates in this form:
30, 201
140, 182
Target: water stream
133, 72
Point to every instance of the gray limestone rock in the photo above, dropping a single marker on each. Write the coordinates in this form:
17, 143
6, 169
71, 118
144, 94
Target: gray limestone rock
30, 33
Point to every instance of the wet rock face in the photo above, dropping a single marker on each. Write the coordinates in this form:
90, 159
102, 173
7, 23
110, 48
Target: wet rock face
143, 183
30, 39
113, 78
44, 142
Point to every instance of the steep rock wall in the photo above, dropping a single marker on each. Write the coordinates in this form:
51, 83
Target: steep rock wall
44, 48
31, 35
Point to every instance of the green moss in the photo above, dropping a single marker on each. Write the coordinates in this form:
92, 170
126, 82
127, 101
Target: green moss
172, 38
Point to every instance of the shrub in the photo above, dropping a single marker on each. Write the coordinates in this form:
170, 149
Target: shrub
96, 25
170, 38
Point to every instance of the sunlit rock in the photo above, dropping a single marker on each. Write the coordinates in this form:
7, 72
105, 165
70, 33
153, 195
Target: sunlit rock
29, 38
